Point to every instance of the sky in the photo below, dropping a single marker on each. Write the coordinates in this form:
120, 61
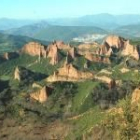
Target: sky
44, 9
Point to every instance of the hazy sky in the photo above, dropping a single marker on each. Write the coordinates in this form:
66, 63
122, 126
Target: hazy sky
65, 8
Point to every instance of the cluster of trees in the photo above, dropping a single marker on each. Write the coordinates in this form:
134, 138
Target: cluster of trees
105, 97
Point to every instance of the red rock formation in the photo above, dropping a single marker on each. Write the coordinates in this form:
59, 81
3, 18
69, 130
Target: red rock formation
114, 41
52, 53
40, 95
130, 50
97, 58
34, 49
69, 73
62, 46
88, 46
123, 45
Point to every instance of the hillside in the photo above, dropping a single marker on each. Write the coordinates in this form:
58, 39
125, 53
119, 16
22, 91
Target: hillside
14, 42
130, 31
62, 91
6, 23
43, 31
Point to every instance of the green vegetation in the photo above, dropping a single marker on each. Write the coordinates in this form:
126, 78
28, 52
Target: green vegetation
82, 100
124, 125
10, 43
83, 107
50, 33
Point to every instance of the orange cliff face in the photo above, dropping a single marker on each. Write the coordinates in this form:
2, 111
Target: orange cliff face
130, 50
62, 46
123, 45
34, 49
40, 95
115, 41
52, 53
87, 47
69, 73
94, 52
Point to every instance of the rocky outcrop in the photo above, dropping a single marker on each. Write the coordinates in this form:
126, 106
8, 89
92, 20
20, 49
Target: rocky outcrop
69, 73
10, 55
115, 41
35, 85
34, 49
136, 96
52, 53
130, 50
97, 58
40, 95
17, 74
95, 52
27, 76
104, 71
88, 47
62, 46
104, 79
122, 45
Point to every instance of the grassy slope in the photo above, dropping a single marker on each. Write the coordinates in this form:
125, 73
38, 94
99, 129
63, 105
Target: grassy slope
81, 101
84, 123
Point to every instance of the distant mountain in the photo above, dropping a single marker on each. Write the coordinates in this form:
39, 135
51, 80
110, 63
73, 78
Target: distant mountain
12, 42
49, 33
67, 33
106, 21
68, 28
6, 23
28, 30
130, 31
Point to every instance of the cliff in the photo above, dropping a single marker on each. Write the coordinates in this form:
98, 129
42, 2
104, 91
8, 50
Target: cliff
52, 53
34, 49
115, 41
130, 50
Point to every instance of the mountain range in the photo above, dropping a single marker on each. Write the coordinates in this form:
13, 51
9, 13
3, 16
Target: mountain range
69, 28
